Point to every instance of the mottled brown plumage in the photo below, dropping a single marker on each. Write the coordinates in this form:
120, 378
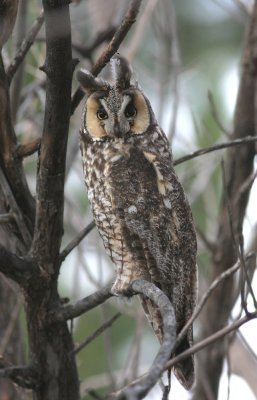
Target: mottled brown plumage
139, 205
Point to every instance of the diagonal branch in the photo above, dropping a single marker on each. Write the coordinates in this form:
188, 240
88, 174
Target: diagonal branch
68, 249
225, 275
98, 332
111, 48
211, 339
15, 267
25, 46
75, 310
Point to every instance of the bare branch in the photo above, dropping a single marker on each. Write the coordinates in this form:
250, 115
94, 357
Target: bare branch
26, 150
111, 48
25, 46
82, 306
76, 241
98, 332
15, 267
237, 142
139, 388
211, 339
226, 274
24, 376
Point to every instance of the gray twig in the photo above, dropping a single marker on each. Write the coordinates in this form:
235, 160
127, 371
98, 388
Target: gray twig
111, 48
25, 46
139, 388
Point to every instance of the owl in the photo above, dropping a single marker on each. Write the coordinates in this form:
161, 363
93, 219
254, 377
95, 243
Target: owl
138, 203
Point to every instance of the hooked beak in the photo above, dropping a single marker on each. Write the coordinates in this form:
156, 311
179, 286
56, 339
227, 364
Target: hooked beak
117, 131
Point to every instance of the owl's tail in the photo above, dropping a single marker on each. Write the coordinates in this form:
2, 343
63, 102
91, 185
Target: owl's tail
184, 370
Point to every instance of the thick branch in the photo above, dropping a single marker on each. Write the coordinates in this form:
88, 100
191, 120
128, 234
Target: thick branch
139, 388
111, 48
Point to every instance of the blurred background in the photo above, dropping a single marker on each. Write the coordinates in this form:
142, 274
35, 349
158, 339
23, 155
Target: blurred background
186, 56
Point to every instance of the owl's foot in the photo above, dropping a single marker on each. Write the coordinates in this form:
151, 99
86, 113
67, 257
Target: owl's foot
121, 286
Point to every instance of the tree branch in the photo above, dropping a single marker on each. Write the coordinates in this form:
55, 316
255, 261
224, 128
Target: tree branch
25, 46
14, 267
139, 388
210, 339
26, 150
24, 376
111, 48
76, 241
82, 306
226, 274
98, 332
50, 180
237, 142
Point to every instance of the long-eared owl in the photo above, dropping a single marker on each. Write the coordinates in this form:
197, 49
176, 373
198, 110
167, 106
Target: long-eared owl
139, 206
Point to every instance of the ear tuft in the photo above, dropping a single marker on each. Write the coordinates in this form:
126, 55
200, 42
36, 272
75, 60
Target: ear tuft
122, 72
89, 82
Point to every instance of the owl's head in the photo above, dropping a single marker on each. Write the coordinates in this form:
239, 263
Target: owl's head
114, 110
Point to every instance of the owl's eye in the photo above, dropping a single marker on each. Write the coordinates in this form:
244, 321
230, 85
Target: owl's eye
102, 114
130, 110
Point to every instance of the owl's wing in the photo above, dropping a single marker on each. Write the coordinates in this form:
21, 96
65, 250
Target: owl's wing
151, 203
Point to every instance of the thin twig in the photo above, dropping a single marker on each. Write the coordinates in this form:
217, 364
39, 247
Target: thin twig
65, 252
75, 310
210, 339
97, 332
200, 152
207, 294
111, 48
25, 46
